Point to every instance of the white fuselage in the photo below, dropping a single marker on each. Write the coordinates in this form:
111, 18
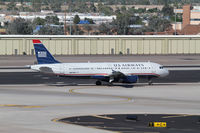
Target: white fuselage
105, 69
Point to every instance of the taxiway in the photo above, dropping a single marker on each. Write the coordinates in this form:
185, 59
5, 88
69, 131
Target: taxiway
36, 108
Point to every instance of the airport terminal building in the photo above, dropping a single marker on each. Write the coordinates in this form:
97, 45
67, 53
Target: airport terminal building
102, 45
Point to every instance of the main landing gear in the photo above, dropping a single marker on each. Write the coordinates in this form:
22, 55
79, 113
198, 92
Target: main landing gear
98, 82
110, 83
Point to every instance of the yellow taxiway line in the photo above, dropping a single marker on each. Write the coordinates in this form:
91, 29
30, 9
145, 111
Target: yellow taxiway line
126, 99
123, 99
19, 106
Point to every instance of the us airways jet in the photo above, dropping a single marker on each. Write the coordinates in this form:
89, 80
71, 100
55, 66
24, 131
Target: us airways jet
124, 72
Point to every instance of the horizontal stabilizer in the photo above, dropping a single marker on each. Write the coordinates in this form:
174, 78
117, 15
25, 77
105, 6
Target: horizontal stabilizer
46, 70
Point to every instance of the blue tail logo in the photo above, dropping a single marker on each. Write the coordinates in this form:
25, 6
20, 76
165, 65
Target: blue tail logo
42, 54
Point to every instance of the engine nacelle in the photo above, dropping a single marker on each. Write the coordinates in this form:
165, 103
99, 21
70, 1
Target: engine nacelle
130, 79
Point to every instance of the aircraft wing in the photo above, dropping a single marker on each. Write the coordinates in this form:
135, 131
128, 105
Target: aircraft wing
122, 77
117, 74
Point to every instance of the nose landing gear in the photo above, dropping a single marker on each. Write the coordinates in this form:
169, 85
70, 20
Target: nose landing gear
150, 81
110, 83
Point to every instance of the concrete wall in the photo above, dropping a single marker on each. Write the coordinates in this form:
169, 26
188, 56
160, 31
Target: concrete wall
86, 45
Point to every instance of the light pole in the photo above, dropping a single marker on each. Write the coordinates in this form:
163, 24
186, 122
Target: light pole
65, 20
175, 21
70, 17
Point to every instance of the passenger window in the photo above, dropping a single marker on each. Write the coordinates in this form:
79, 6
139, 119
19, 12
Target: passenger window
161, 67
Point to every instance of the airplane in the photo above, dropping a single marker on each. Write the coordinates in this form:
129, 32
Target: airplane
111, 72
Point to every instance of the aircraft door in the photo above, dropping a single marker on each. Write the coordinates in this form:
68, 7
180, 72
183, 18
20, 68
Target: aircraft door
65, 69
153, 69
61, 69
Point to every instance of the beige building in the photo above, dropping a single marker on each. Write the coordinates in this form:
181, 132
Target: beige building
102, 45
147, 7
191, 20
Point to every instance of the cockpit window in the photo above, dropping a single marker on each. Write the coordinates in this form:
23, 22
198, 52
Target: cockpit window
161, 67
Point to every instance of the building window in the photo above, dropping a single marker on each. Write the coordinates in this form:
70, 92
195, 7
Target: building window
196, 19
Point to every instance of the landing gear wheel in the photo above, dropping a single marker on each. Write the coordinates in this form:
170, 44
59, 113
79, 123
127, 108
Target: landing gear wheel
150, 83
98, 82
110, 84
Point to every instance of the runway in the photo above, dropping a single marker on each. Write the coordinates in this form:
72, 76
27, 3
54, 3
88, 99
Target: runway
33, 102
175, 76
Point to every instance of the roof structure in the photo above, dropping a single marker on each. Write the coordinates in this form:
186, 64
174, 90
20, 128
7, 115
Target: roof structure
191, 30
84, 22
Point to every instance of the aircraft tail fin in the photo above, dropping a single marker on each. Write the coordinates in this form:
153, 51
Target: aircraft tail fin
42, 54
